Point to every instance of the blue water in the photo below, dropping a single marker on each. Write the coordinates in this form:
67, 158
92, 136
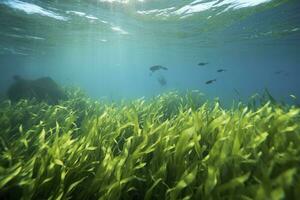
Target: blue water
107, 46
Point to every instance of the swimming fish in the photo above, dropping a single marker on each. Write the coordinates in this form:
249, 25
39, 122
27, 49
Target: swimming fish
221, 70
293, 96
210, 81
237, 92
157, 67
162, 81
279, 72
202, 63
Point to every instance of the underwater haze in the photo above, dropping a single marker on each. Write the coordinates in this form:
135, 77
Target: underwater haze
106, 47
149, 99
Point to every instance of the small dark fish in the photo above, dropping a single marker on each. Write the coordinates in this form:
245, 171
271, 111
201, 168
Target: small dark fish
210, 81
17, 78
237, 92
279, 72
157, 67
202, 63
221, 70
162, 81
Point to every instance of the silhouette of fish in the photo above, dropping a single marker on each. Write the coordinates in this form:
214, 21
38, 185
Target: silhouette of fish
279, 72
157, 67
210, 81
162, 81
221, 70
17, 78
202, 63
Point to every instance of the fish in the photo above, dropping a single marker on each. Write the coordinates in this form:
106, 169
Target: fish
202, 63
279, 72
210, 81
237, 92
157, 67
17, 78
221, 70
162, 81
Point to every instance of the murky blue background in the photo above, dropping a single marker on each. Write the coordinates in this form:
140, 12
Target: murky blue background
107, 46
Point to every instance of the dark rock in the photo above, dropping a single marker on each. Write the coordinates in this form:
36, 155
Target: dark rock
42, 89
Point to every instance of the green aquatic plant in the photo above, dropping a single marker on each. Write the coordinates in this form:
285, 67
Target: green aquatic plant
175, 146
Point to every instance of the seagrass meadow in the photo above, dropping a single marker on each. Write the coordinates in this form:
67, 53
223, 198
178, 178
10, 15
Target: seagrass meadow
173, 146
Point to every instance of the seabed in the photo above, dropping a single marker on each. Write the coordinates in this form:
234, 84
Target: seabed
174, 146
